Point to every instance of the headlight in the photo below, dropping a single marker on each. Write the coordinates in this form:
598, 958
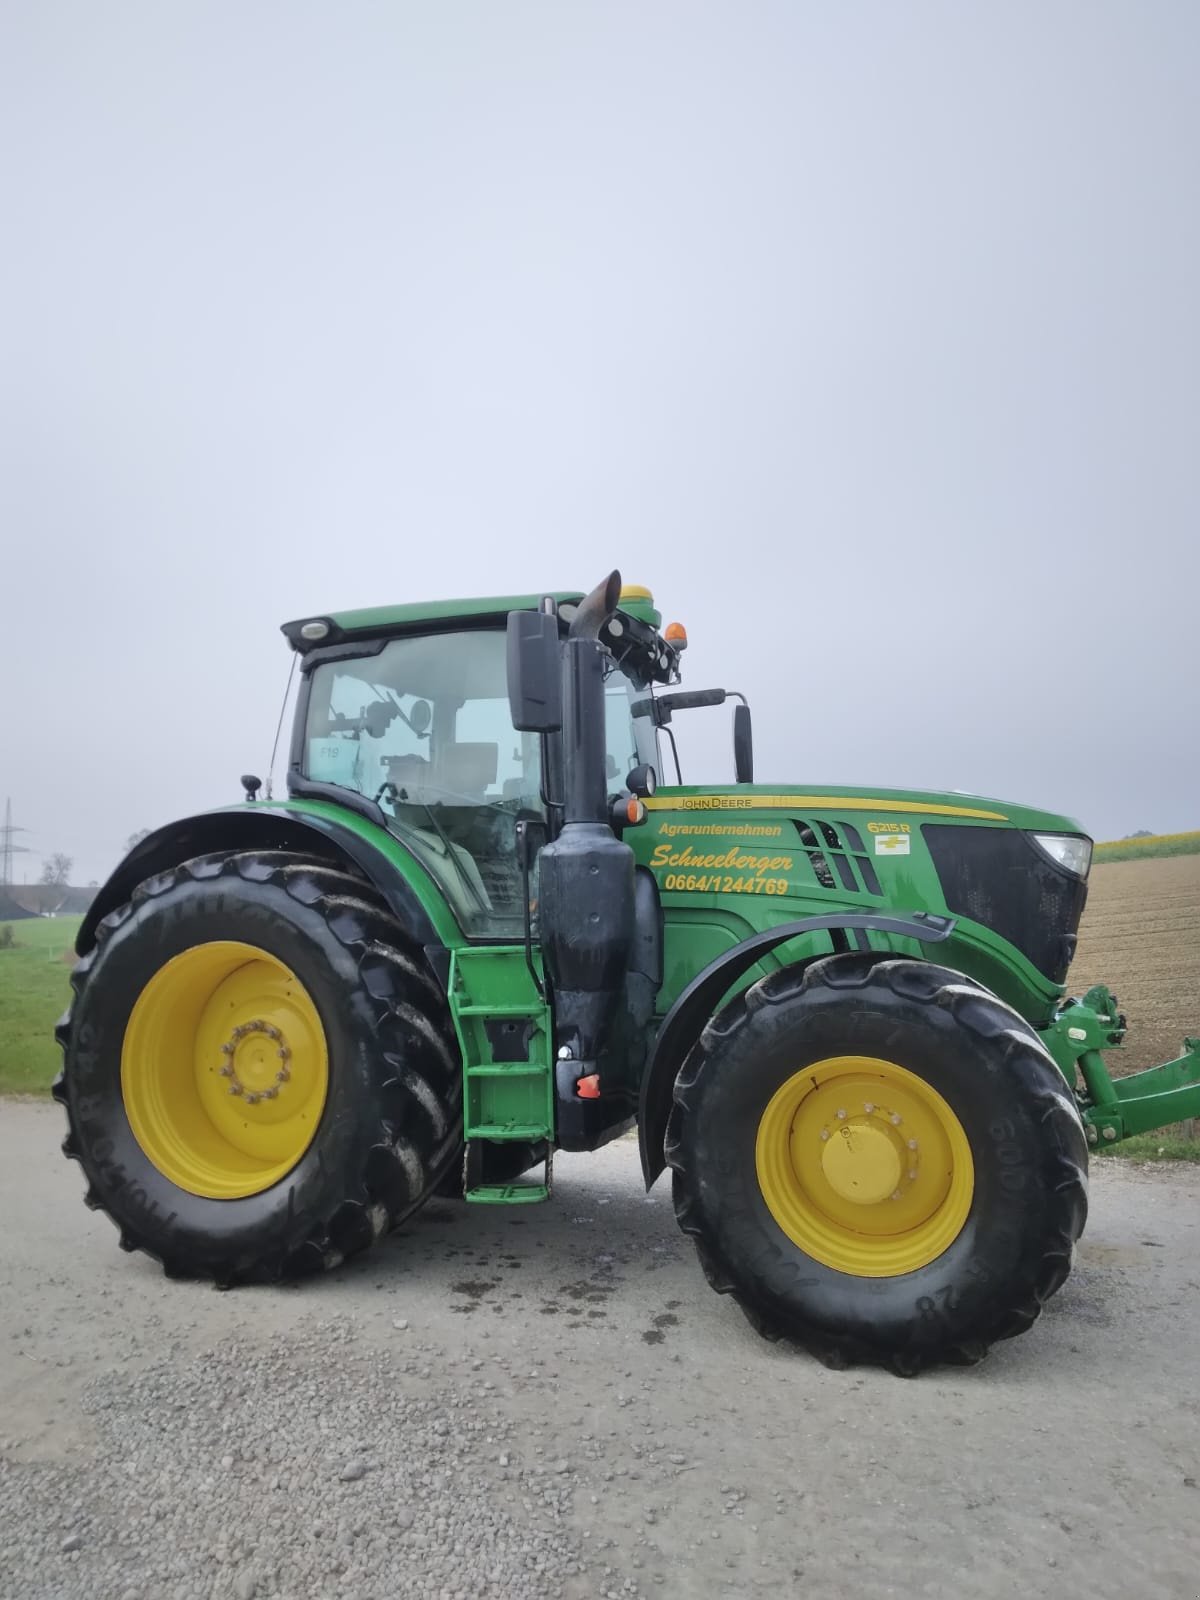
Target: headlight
1069, 850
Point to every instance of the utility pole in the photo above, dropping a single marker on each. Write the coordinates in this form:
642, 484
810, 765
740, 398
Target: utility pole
7, 848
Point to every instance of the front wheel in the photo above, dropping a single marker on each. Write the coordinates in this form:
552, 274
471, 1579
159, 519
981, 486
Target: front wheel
879, 1160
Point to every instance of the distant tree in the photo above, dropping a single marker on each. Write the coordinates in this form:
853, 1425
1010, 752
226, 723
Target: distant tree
6, 937
136, 838
57, 869
1140, 833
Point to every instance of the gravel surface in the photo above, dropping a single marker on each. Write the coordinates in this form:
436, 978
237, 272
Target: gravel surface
552, 1403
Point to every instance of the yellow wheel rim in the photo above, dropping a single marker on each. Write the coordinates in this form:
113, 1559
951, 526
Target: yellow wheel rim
864, 1166
224, 1070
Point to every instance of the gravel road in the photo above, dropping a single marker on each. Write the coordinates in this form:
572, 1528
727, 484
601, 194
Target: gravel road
551, 1402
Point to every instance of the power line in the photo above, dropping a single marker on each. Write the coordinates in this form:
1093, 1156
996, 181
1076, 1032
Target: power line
7, 848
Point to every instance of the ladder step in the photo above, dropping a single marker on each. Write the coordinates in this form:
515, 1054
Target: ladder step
502, 1011
508, 1069
501, 1131
507, 1194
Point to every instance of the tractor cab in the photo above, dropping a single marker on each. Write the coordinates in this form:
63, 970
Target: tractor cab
405, 716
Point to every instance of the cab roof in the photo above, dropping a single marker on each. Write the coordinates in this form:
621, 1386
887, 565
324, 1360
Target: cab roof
334, 627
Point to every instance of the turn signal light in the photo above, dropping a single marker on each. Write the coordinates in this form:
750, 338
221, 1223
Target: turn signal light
675, 633
635, 811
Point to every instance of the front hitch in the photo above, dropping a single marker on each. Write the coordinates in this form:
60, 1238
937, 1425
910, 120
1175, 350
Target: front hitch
1114, 1108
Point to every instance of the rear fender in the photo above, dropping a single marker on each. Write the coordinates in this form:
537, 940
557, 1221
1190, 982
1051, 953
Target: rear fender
264, 826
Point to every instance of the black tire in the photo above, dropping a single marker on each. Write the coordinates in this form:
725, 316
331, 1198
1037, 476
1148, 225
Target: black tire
1027, 1143
392, 1120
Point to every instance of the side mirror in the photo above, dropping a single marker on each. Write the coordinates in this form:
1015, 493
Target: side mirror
743, 745
534, 672
642, 781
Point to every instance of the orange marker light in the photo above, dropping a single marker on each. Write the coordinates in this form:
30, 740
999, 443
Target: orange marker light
588, 1088
675, 633
635, 811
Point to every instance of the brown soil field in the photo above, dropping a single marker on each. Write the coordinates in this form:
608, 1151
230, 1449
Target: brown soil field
1141, 936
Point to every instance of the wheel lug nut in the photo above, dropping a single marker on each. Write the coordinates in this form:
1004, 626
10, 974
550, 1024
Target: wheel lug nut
226, 1071
824, 1133
841, 1115
912, 1144
896, 1119
912, 1174
868, 1106
235, 1088
896, 1195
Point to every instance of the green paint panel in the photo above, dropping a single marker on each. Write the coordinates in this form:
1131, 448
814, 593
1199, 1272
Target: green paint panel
731, 862
417, 615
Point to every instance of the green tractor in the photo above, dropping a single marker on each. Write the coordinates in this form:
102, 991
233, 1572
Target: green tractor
479, 929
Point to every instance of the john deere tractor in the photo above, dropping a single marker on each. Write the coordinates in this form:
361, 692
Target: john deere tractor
481, 928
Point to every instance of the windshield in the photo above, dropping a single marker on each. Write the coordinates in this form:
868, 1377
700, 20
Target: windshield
423, 728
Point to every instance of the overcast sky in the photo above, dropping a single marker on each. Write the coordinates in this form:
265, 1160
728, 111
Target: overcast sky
867, 335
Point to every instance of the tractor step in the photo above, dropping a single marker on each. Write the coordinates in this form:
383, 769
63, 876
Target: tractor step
505, 1034
522, 1191
508, 1194
506, 1132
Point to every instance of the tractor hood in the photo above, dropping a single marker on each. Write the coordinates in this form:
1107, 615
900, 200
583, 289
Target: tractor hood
894, 803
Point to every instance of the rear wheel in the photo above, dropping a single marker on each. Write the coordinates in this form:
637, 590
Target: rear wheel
259, 1074
879, 1160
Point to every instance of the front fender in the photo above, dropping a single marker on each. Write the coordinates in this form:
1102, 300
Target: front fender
307, 829
685, 1021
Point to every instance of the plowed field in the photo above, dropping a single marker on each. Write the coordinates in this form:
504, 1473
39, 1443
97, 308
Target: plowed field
1141, 936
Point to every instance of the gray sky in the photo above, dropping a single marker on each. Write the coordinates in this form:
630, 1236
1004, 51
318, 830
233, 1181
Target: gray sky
867, 335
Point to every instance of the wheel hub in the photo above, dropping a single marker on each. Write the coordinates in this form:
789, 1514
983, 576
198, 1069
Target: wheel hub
256, 1061
862, 1162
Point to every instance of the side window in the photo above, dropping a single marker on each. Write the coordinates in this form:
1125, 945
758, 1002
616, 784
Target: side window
489, 722
422, 728
364, 737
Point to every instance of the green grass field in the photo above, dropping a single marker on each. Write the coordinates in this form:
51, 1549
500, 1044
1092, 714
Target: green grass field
1157, 844
34, 989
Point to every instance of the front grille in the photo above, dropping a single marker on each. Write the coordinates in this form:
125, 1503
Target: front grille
832, 852
999, 877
